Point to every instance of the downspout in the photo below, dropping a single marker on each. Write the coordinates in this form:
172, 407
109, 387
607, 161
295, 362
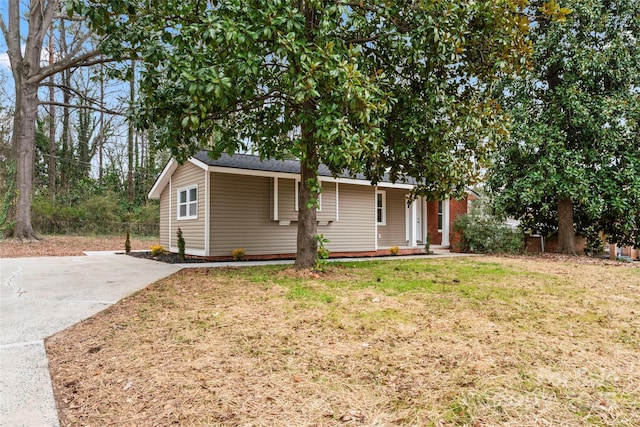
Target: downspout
275, 199
414, 222
207, 213
337, 204
170, 210
375, 217
425, 225
445, 223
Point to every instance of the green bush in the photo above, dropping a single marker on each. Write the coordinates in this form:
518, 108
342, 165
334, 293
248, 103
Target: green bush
148, 213
100, 212
55, 217
481, 233
95, 214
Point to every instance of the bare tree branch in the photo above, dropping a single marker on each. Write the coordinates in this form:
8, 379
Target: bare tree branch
77, 93
47, 17
76, 18
63, 64
83, 107
5, 31
12, 33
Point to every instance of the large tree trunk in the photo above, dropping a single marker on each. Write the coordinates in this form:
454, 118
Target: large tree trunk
101, 140
67, 145
566, 232
23, 68
51, 169
307, 246
25, 126
27, 73
130, 159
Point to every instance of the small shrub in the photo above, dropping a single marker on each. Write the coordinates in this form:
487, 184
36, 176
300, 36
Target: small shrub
127, 244
181, 245
394, 250
238, 254
482, 233
323, 253
427, 244
157, 250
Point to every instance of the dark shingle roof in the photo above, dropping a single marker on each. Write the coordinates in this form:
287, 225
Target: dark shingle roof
252, 162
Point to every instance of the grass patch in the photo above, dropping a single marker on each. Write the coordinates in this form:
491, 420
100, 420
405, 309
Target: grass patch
476, 341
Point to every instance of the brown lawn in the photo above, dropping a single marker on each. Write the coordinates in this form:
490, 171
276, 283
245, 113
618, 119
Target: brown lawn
62, 245
476, 342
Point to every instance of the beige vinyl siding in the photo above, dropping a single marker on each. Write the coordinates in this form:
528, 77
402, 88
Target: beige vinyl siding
328, 198
394, 232
355, 229
242, 216
185, 176
164, 217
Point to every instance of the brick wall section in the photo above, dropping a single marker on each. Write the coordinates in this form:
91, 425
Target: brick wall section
533, 244
634, 254
456, 208
432, 223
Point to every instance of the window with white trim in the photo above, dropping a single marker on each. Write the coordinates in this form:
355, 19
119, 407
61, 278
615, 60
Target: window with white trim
440, 215
188, 203
381, 207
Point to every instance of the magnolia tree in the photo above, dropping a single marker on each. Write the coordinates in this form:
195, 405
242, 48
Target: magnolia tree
376, 87
572, 161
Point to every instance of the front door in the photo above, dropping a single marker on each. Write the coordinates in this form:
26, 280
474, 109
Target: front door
418, 219
415, 221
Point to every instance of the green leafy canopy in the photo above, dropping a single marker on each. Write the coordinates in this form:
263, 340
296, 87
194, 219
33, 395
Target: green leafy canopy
575, 132
374, 87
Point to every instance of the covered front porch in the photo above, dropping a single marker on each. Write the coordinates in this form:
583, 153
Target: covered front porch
409, 226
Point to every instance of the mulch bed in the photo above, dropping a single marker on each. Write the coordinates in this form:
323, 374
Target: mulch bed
169, 258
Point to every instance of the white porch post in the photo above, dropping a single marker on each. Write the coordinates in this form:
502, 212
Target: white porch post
425, 228
275, 199
207, 213
375, 217
413, 240
170, 211
337, 203
445, 222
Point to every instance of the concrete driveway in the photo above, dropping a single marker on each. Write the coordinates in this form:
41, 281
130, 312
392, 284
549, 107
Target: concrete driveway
42, 296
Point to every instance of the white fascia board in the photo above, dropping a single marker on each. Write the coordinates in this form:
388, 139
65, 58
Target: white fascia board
396, 185
163, 180
249, 172
199, 163
363, 182
287, 175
